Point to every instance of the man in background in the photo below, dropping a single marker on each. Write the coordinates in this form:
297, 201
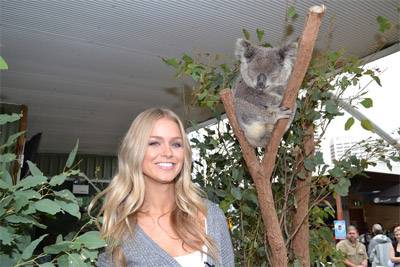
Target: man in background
378, 248
354, 251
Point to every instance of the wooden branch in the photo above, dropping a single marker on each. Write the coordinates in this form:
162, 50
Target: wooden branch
261, 173
304, 54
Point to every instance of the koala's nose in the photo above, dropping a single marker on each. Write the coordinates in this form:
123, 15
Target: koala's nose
261, 78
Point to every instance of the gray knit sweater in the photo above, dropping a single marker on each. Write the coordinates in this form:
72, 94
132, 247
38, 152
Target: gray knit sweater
141, 250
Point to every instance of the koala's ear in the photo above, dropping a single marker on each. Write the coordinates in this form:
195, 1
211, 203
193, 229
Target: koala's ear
244, 50
288, 50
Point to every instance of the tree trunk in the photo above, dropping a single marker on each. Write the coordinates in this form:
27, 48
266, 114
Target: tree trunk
261, 172
301, 248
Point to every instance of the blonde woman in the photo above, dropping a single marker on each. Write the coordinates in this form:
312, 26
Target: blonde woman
394, 252
153, 215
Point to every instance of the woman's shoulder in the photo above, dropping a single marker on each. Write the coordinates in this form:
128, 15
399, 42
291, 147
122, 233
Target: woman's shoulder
214, 212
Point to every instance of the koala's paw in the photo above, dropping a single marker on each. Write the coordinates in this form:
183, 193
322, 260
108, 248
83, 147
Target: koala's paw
284, 113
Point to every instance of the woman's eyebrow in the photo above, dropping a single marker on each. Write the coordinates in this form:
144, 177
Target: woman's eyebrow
161, 137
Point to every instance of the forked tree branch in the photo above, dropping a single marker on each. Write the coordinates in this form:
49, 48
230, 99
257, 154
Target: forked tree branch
261, 172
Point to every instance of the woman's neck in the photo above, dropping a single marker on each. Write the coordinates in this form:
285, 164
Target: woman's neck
159, 199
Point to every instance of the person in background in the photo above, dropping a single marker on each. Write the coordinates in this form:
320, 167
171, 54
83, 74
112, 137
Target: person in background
353, 250
153, 215
379, 246
394, 251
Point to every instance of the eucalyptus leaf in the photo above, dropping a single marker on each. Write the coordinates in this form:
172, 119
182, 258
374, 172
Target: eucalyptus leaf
66, 194
292, 12
63, 261
70, 207
349, 123
27, 253
367, 102
7, 157
31, 181
6, 118
57, 247
47, 264
57, 180
384, 24
236, 193
5, 236
3, 64
260, 34
11, 140
76, 260
47, 206
89, 254
34, 169
6, 177
367, 125
246, 34
91, 240
72, 154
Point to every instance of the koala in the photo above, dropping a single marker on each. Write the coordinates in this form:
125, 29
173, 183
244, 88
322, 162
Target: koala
259, 89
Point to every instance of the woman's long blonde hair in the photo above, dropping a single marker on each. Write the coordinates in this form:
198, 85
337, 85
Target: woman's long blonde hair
125, 194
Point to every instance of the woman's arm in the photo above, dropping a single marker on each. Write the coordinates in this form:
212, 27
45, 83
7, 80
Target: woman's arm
392, 257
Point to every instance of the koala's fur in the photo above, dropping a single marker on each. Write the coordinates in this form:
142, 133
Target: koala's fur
258, 92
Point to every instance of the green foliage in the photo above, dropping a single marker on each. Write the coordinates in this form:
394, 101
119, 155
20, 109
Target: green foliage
384, 24
3, 64
30, 202
224, 176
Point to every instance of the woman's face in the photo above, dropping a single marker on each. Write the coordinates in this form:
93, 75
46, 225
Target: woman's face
164, 155
397, 235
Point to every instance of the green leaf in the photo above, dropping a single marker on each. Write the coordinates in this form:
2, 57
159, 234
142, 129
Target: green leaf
331, 107
89, 254
63, 261
91, 240
236, 193
5, 236
71, 156
336, 172
47, 264
292, 12
377, 80
173, 62
8, 157
71, 208
66, 194
29, 194
246, 34
31, 181
11, 139
367, 102
3, 64
349, 123
27, 253
47, 206
188, 59
6, 177
58, 179
75, 260
34, 170
260, 34
4, 185
57, 248
18, 219
5, 118
384, 24
367, 125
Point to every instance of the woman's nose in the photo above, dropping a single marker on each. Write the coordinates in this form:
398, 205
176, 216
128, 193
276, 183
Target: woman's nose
167, 151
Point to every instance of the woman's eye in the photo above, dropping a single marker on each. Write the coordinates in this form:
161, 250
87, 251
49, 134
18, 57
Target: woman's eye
153, 143
177, 145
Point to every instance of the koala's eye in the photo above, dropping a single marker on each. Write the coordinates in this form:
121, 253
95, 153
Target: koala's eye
249, 53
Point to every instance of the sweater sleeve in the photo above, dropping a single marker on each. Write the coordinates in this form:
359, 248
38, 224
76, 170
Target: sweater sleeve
224, 237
